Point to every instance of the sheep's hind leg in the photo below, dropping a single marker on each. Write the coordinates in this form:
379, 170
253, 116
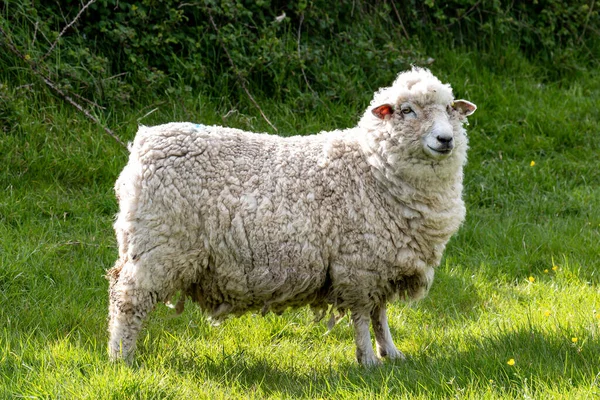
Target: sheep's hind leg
128, 308
364, 349
383, 336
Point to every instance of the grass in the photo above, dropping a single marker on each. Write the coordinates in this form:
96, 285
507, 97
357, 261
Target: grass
519, 281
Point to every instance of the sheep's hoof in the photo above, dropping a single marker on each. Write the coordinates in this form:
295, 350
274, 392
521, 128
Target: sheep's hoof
371, 363
392, 354
118, 355
368, 361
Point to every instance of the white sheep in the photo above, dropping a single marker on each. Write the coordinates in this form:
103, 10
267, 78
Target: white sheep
240, 221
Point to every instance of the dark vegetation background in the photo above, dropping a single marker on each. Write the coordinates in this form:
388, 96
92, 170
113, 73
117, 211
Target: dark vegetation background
122, 53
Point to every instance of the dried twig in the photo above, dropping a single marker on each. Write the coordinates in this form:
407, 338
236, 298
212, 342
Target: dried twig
299, 56
35, 33
399, 19
148, 113
587, 19
11, 46
89, 3
79, 107
240, 78
89, 101
115, 76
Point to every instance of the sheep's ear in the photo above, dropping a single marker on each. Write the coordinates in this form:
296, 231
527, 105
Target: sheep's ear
383, 111
464, 107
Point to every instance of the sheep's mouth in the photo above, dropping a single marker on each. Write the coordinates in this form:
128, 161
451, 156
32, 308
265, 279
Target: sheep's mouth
444, 151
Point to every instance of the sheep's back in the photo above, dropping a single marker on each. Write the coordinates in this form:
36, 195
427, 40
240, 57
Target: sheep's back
232, 209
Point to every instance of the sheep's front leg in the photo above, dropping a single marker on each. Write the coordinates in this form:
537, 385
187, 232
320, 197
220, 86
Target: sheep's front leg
383, 337
128, 308
364, 349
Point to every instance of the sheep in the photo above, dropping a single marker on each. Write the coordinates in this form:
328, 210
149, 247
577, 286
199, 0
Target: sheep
346, 220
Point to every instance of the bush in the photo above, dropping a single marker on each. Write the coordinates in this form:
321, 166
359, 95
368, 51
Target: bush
561, 33
282, 49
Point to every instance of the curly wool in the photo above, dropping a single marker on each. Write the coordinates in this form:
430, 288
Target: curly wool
243, 221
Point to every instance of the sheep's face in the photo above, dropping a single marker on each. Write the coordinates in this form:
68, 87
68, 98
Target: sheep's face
430, 131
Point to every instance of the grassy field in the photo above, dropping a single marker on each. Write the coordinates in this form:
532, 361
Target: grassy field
514, 311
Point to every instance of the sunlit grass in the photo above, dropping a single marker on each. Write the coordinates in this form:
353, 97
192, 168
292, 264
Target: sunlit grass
514, 310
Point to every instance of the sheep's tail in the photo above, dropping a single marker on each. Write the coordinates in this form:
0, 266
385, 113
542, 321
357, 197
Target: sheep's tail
127, 190
113, 274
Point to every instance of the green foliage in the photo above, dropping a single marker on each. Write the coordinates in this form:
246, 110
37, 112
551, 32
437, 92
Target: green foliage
519, 281
56, 240
282, 49
277, 47
560, 33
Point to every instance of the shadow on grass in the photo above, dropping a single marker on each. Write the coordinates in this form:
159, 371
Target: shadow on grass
453, 294
543, 362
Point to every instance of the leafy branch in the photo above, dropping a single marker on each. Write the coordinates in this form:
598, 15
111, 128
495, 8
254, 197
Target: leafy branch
38, 69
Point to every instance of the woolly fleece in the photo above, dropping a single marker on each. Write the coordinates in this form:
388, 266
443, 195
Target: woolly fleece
241, 221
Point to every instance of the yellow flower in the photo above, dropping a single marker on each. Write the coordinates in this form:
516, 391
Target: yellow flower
511, 362
547, 313
532, 163
545, 271
555, 268
531, 279
574, 340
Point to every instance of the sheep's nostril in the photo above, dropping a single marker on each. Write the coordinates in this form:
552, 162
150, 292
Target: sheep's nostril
445, 140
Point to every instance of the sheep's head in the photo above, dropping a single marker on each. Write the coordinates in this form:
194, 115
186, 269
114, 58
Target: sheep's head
418, 117
432, 124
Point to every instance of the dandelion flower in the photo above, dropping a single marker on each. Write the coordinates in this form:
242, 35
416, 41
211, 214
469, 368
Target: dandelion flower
574, 340
531, 279
546, 271
555, 268
547, 313
511, 362
532, 163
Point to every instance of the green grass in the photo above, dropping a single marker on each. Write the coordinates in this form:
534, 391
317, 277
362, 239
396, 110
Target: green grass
540, 222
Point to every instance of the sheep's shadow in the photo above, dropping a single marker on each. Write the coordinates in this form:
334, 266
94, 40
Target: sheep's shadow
450, 292
437, 369
539, 360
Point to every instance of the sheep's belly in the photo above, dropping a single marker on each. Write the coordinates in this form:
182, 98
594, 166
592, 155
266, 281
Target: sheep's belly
230, 286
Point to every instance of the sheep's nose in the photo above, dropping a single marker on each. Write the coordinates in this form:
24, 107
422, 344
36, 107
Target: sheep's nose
445, 140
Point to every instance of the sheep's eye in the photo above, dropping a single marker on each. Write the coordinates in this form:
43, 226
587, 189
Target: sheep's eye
406, 110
